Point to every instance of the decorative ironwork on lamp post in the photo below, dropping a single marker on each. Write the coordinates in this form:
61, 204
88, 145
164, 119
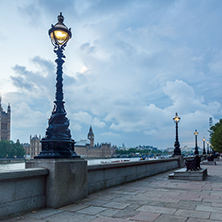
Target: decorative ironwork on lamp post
58, 142
177, 150
196, 148
204, 151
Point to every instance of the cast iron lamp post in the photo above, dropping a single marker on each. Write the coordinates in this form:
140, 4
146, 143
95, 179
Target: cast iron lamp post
196, 148
58, 142
208, 151
177, 150
204, 151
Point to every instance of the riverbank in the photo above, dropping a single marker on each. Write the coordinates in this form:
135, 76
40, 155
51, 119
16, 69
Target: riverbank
12, 160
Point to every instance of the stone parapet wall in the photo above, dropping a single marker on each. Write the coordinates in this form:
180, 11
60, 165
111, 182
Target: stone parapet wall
22, 191
34, 188
109, 175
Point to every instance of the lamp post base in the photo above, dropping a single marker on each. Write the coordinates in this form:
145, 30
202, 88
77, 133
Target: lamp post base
52, 149
177, 152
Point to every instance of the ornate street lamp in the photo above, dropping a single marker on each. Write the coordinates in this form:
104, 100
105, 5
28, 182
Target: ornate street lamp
196, 149
58, 142
177, 150
208, 151
204, 151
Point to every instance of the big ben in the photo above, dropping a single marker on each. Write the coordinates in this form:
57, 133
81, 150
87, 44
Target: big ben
91, 137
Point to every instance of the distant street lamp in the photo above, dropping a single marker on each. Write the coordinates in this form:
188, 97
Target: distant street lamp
196, 148
211, 148
204, 151
177, 150
58, 142
208, 151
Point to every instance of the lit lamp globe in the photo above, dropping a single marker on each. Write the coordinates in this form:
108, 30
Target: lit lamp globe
176, 118
59, 33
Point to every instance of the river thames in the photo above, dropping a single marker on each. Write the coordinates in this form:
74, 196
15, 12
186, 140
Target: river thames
19, 166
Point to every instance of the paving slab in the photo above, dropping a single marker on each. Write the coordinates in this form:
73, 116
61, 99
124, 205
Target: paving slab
171, 218
156, 209
125, 214
201, 220
70, 217
108, 219
144, 216
43, 213
216, 216
109, 212
116, 205
92, 210
193, 213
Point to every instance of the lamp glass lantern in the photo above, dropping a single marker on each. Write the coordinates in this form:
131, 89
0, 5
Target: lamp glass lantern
59, 33
176, 119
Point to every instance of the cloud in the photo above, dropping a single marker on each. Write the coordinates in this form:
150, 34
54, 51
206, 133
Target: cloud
87, 48
129, 66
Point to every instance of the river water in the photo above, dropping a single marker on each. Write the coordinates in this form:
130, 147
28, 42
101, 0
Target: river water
18, 166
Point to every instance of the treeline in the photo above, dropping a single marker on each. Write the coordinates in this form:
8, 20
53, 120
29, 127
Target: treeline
9, 149
216, 136
134, 151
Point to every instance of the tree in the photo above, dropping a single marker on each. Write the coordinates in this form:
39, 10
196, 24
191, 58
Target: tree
216, 136
11, 149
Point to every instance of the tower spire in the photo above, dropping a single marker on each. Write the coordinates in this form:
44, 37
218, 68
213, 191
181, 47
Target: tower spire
1, 109
91, 136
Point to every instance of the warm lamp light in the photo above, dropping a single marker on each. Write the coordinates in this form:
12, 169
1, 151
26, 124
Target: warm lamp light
176, 118
59, 33
196, 133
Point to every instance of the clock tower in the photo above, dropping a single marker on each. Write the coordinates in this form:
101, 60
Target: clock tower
91, 137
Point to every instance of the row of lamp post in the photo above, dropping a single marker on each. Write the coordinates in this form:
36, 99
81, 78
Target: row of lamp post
177, 150
58, 142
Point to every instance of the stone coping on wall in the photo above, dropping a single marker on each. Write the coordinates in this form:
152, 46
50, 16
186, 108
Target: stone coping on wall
23, 173
129, 163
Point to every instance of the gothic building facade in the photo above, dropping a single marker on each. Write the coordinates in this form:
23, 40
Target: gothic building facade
34, 148
5, 122
86, 148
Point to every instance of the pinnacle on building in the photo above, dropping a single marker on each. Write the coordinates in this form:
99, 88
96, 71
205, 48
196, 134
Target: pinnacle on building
5, 122
91, 137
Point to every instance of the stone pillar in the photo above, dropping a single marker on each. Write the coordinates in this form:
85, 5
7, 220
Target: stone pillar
66, 182
181, 162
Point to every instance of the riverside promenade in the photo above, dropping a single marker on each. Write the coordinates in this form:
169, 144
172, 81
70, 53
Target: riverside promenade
155, 198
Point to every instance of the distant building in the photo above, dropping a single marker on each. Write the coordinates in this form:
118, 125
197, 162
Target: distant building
26, 147
87, 148
5, 122
34, 148
91, 137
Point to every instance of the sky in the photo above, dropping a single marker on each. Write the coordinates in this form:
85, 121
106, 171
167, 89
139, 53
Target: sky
129, 67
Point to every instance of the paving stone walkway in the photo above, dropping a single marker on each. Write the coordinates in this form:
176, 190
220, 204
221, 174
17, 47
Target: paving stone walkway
151, 199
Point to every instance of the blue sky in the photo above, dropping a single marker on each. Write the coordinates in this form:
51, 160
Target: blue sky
129, 67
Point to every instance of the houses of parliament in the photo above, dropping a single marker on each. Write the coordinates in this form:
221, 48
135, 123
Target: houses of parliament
84, 148
5, 122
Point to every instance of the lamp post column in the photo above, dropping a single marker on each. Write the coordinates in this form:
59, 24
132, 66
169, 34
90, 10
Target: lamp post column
208, 151
58, 142
177, 150
204, 151
196, 148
